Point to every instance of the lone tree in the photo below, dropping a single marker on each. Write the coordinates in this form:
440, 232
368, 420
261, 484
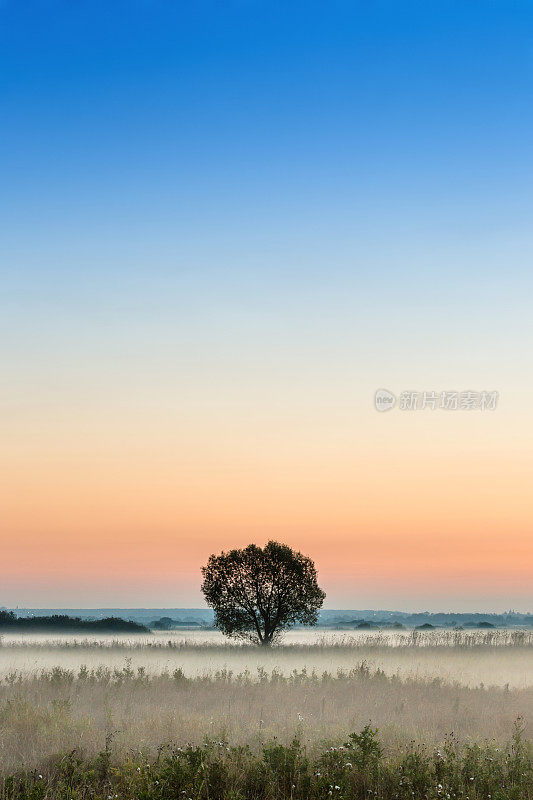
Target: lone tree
258, 593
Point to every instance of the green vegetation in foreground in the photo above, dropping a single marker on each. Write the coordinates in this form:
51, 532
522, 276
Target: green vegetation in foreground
358, 769
9, 622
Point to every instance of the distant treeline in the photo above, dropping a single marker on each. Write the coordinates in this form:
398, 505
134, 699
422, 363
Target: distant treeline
112, 619
424, 619
366, 620
62, 622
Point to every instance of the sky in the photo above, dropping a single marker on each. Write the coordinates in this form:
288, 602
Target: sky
224, 226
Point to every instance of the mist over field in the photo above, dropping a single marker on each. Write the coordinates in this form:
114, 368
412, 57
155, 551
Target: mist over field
62, 692
469, 658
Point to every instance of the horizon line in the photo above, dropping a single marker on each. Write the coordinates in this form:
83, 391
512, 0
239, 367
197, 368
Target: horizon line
207, 608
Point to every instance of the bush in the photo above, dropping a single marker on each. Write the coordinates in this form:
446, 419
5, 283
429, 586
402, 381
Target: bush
357, 770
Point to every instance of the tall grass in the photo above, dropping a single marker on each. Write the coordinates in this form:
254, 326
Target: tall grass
358, 769
57, 710
166, 718
213, 641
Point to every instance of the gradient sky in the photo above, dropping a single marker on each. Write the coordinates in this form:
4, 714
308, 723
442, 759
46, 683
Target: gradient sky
224, 226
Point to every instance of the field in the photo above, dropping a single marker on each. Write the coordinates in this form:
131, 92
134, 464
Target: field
89, 715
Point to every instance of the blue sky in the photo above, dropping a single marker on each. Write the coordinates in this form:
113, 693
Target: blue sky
284, 125
375, 157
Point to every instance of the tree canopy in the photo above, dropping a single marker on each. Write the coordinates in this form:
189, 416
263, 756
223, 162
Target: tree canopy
257, 593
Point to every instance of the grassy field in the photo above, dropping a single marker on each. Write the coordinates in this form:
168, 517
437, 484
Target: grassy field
170, 718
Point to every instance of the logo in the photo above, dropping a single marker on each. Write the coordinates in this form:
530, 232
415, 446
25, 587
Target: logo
384, 400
